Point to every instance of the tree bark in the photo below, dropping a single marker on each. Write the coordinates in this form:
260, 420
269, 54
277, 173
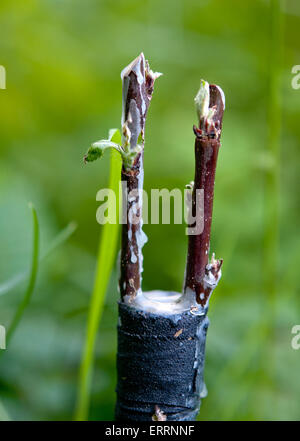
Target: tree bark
201, 277
138, 82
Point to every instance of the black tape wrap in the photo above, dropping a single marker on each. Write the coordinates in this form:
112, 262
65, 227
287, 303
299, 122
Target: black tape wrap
160, 363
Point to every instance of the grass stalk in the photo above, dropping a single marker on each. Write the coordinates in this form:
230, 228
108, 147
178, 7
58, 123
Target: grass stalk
33, 275
272, 173
61, 237
272, 198
3, 413
105, 261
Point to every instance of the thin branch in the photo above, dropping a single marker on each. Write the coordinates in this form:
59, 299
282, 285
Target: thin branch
138, 81
202, 276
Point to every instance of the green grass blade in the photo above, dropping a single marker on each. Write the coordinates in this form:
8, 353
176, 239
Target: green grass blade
105, 261
33, 274
3, 413
62, 237
272, 191
272, 174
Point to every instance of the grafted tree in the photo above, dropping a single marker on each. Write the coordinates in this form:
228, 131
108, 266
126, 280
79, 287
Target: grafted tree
161, 335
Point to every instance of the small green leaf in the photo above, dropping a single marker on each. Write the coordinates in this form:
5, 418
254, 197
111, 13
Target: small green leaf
202, 99
97, 148
93, 153
114, 142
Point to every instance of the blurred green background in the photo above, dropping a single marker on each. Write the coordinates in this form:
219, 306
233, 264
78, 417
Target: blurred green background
63, 60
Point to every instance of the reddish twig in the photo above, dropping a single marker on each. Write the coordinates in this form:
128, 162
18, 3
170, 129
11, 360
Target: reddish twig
202, 276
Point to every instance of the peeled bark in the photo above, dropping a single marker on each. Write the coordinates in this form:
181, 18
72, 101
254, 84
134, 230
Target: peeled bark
138, 82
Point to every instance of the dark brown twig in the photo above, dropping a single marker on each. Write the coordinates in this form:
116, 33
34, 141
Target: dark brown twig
202, 276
